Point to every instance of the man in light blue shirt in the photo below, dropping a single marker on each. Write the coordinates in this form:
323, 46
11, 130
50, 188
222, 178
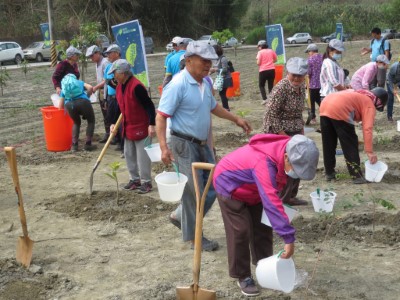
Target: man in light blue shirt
188, 101
174, 42
378, 46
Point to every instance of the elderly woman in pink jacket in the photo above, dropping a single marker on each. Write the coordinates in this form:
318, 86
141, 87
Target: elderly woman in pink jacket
248, 181
366, 75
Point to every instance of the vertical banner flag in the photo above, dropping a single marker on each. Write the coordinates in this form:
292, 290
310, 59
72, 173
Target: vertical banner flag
44, 28
276, 42
339, 31
129, 37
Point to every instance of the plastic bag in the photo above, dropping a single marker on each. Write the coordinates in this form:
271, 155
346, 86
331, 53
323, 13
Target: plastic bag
219, 82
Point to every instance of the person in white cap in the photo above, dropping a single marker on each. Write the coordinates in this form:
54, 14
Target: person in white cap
94, 53
188, 101
332, 75
266, 59
137, 127
314, 84
113, 53
174, 63
67, 66
284, 115
175, 48
248, 181
366, 75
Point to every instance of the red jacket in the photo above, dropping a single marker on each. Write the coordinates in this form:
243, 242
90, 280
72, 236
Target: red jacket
135, 121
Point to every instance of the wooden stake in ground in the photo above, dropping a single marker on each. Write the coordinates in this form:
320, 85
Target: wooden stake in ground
24, 244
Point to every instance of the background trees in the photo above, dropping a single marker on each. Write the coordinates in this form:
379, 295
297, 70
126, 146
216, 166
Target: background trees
163, 19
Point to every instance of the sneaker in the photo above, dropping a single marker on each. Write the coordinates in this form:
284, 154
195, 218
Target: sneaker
118, 148
89, 147
145, 188
390, 119
207, 245
174, 221
122, 155
264, 102
331, 176
132, 185
359, 180
248, 287
104, 139
74, 147
314, 121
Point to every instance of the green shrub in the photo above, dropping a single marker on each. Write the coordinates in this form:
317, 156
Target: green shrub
255, 35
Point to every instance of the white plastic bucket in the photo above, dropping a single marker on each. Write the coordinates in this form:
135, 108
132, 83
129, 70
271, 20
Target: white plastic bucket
170, 188
290, 211
55, 98
324, 202
398, 125
375, 172
154, 152
276, 273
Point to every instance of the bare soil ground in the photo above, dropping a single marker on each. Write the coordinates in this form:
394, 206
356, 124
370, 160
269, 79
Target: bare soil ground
92, 248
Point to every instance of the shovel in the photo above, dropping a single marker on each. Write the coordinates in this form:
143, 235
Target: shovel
104, 152
194, 291
25, 244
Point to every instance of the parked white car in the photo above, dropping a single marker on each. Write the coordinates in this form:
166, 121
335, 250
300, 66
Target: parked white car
300, 38
11, 51
207, 39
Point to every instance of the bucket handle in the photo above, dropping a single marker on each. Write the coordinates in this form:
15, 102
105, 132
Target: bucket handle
280, 253
176, 168
147, 142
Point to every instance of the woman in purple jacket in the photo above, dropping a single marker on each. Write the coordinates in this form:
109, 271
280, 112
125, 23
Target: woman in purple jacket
248, 181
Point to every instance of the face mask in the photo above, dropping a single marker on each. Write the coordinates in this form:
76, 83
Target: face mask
336, 56
292, 174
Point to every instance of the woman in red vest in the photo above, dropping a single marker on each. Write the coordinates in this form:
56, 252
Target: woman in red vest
138, 123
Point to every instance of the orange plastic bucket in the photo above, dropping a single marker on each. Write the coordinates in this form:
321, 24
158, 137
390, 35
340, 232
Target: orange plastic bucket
57, 129
234, 91
278, 73
160, 90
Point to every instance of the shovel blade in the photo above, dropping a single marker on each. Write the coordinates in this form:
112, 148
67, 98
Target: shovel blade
24, 251
189, 293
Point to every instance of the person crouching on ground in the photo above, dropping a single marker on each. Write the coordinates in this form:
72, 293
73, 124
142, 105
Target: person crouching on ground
77, 104
284, 115
338, 112
248, 181
138, 124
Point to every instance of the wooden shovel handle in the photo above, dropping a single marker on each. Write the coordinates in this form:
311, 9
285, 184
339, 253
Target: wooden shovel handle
116, 126
199, 215
398, 97
12, 162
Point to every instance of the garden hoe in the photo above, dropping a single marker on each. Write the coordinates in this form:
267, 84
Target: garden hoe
25, 244
194, 291
112, 135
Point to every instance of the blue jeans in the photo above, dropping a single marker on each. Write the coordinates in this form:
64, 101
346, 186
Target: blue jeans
185, 153
390, 100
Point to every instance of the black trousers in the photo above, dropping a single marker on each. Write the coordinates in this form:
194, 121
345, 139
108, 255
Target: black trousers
315, 97
264, 76
76, 109
224, 99
245, 235
103, 108
331, 131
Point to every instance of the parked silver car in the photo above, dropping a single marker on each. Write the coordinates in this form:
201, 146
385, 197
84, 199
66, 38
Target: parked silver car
11, 51
38, 51
232, 42
299, 38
